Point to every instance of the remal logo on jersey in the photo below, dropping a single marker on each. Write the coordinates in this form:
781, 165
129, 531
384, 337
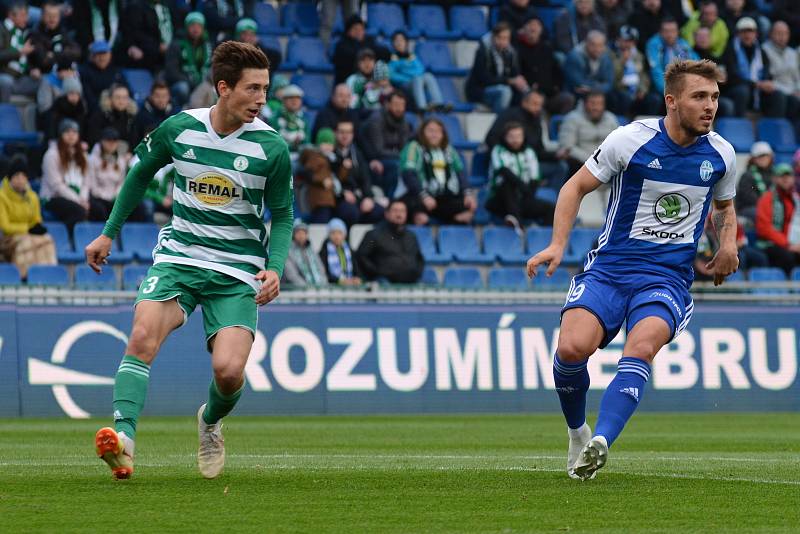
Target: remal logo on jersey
671, 208
706, 170
213, 189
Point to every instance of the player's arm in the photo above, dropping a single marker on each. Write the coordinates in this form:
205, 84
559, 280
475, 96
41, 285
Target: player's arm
153, 153
570, 197
726, 261
279, 198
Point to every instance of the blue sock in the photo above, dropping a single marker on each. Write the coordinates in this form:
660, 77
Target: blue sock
622, 397
572, 383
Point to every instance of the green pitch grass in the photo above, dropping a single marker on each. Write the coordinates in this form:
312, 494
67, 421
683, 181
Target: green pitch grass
489, 474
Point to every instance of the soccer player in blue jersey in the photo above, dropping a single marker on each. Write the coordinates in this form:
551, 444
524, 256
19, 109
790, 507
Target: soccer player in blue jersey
664, 175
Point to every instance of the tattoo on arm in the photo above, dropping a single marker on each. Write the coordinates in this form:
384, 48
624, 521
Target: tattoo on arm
722, 221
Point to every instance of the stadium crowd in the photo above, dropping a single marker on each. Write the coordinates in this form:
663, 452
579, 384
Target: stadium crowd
386, 147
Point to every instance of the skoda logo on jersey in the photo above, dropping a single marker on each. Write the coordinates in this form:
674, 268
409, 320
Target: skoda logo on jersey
58, 377
671, 208
213, 189
240, 163
706, 170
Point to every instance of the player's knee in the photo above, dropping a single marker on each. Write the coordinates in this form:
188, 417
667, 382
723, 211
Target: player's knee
645, 349
142, 344
574, 350
228, 378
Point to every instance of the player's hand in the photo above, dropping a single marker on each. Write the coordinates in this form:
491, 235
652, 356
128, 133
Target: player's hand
724, 263
97, 251
551, 256
270, 287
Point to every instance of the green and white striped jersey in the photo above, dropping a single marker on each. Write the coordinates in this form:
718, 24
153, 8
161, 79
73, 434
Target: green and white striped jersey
222, 185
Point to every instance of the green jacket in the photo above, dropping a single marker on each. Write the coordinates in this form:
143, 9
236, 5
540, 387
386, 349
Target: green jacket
719, 34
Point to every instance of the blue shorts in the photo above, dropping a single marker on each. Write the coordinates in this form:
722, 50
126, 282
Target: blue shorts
616, 298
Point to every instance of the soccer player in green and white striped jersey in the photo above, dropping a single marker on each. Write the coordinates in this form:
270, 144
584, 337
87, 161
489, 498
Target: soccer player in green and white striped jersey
229, 165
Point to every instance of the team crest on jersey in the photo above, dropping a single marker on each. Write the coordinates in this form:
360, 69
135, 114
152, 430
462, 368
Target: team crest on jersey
213, 189
706, 170
240, 163
671, 208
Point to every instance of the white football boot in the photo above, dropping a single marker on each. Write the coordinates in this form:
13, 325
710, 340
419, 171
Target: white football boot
578, 437
593, 456
211, 453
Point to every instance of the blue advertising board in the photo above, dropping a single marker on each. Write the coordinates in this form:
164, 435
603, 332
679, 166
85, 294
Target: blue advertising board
319, 359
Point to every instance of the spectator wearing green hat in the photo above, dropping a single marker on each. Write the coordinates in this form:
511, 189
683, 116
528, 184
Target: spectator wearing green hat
778, 220
274, 106
188, 59
369, 83
247, 32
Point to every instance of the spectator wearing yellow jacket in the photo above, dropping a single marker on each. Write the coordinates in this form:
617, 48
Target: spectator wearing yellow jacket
707, 16
25, 241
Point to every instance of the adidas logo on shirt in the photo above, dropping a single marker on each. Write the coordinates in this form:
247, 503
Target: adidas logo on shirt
655, 164
189, 154
633, 392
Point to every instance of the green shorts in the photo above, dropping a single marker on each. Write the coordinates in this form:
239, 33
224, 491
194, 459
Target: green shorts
225, 300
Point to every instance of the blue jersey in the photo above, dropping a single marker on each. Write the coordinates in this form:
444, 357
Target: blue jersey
660, 196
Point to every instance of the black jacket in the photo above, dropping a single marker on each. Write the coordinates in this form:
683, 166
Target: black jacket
122, 121
94, 81
484, 71
52, 46
147, 119
391, 252
63, 109
330, 116
384, 136
139, 27
538, 64
344, 55
515, 16
533, 131
357, 178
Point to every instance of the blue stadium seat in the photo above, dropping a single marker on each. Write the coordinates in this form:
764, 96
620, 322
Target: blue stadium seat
132, 276
547, 193
309, 54
9, 275
85, 232
548, 16
784, 157
507, 278
436, 56
767, 274
86, 278
316, 88
428, 246
738, 276
455, 133
470, 20
48, 275
64, 250
386, 19
738, 132
480, 164
555, 126
413, 120
482, 217
504, 244
138, 239
301, 16
12, 130
462, 244
430, 21
538, 239
779, 133
463, 278
267, 19
429, 277
581, 241
139, 81
795, 275
559, 280
450, 94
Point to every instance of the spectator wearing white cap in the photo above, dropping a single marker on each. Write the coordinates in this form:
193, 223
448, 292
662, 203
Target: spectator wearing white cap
758, 91
337, 256
291, 122
755, 181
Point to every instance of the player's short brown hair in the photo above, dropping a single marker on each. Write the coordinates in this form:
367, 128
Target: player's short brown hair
231, 58
676, 72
